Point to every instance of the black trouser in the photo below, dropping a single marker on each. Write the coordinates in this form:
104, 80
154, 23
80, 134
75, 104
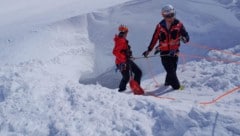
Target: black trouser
170, 65
131, 66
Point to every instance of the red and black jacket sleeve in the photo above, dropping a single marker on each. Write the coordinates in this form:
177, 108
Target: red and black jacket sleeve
155, 37
184, 33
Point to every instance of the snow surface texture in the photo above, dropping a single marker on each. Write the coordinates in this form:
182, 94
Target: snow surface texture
47, 46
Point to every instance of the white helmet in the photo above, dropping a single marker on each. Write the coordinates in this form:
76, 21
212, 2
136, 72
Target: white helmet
168, 11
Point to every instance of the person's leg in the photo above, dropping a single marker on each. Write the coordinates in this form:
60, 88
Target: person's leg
137, 72
125, 79
166, 65
170, 65
175, 83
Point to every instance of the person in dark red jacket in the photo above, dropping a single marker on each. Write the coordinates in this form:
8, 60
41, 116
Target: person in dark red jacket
123, 54
169, 32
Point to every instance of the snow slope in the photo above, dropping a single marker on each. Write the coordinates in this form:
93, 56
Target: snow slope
47, 46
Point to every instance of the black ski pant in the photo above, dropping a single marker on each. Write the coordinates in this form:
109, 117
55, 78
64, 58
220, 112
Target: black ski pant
136, 71
170, 65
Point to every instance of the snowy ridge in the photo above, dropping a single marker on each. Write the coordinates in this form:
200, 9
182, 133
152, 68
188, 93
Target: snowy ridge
40, 68
105, 110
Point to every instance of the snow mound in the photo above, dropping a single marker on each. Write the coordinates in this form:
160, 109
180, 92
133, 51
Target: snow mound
43, 59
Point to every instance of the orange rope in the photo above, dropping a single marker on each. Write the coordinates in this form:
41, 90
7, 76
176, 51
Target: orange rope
203, 103
212, 59
208, 48
221, 96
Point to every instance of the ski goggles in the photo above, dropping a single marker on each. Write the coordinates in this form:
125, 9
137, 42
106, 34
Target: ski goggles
171, 15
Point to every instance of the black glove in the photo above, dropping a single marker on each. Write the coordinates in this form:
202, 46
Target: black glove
184, 39
145, 54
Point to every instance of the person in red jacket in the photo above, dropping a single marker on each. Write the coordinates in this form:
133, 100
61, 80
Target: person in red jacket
169, 32
123, 54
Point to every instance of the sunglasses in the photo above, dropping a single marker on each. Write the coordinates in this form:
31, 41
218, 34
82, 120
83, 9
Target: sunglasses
171, 15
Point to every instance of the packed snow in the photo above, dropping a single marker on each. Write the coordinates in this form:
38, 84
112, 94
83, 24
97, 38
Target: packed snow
57, 73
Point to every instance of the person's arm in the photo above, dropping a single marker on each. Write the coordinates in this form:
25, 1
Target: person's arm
184, 35
154, 40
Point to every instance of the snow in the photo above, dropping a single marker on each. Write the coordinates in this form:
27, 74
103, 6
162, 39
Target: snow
47, 47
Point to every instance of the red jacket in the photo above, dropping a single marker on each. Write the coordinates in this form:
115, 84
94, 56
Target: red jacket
168, 39
120, 48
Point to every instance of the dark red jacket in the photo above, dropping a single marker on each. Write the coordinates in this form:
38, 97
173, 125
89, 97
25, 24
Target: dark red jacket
120, 49
168, 39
